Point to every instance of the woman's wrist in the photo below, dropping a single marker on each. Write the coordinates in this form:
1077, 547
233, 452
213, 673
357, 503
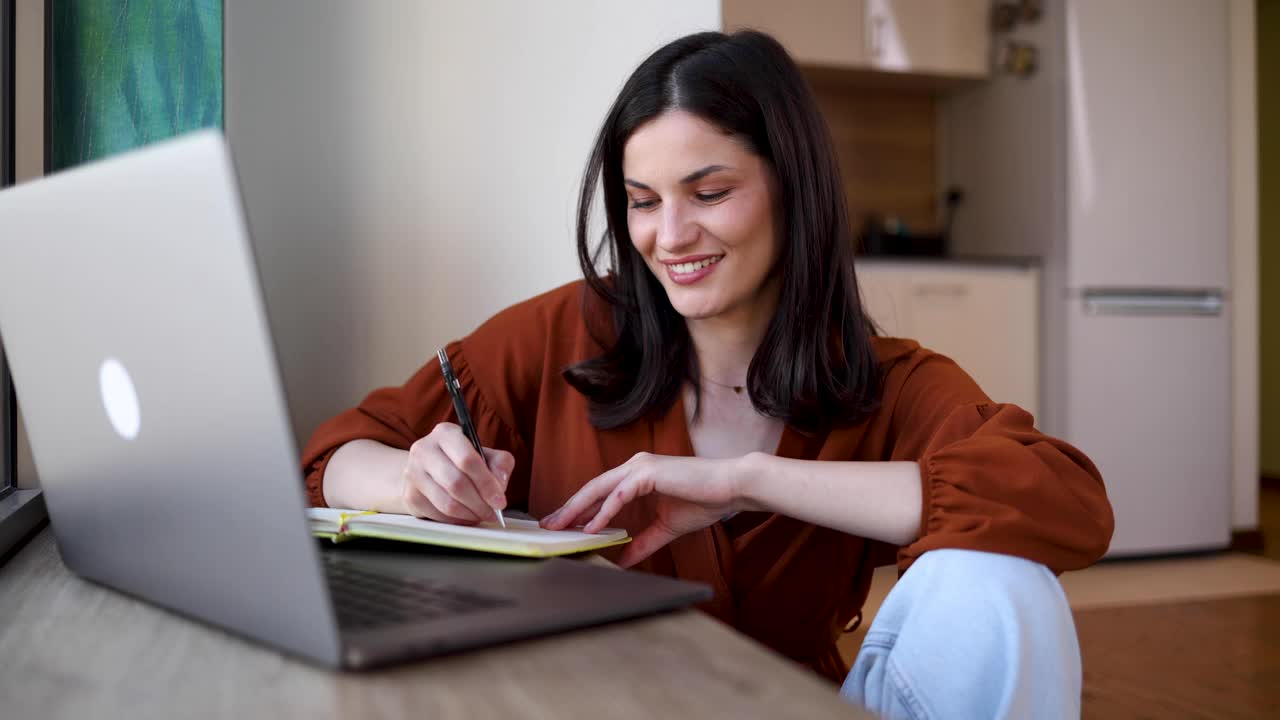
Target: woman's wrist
366, 475
746, 475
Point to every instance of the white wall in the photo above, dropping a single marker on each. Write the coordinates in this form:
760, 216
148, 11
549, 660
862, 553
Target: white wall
411, 168
1002, 141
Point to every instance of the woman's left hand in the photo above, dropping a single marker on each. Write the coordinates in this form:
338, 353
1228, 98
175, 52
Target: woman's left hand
692, 494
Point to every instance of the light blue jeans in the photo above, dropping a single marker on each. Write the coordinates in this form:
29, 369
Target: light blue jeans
966, 634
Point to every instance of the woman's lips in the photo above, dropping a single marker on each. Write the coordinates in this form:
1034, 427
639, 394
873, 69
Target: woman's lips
691, 271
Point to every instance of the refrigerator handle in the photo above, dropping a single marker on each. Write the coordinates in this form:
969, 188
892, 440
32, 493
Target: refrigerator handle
1152, 302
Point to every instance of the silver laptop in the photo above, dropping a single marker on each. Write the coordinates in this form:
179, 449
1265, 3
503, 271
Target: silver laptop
132, 316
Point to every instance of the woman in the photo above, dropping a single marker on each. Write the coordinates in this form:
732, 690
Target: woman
720, 394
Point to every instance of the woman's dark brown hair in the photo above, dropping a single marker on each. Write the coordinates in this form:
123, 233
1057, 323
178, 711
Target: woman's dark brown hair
816, 367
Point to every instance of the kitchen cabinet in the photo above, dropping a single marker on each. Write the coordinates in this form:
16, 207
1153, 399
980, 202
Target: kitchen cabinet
948, 38
985, 317
932, 37
815, 32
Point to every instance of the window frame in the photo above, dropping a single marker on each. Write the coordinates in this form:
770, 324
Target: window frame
8, 411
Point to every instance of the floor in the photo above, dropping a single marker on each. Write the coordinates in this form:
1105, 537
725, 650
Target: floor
1195, 637
1196, 659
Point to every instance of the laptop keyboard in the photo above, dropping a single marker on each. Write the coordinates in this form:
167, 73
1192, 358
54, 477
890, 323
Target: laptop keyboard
365, 598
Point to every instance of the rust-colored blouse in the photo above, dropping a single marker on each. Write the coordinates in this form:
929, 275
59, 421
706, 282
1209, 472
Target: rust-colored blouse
991, 480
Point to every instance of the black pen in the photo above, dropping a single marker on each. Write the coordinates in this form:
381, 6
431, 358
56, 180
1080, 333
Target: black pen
464, 417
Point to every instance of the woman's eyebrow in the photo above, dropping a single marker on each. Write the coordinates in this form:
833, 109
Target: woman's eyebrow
692, 177
697, 175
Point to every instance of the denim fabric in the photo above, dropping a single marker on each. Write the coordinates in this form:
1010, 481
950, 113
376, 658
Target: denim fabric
967, 634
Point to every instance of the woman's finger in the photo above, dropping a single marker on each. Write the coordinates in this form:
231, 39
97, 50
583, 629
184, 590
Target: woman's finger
453, 488
584, 516
625, 492
591, 494
426, 499
502, 464
454, 511
417, 503
481, 483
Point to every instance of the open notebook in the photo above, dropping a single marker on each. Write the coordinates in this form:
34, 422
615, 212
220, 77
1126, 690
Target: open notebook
520, 537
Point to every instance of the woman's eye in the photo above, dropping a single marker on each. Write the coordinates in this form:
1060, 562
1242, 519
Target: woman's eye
713, 196
643, 204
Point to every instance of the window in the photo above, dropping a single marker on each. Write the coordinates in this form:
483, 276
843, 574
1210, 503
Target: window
20, 510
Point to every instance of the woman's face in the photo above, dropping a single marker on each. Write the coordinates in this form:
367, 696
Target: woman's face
701, 214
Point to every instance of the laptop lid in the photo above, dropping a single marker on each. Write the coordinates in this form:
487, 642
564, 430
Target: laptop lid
137, 339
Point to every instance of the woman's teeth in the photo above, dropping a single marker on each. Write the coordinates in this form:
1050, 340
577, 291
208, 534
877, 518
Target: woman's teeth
684, 268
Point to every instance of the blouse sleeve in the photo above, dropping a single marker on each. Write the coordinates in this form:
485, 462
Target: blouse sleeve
502, 368
992, 481
399, 416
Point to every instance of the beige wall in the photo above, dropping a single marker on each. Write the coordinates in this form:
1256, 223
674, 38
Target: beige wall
1244, 258
29, 144
29, 89
411, 168
1268, 83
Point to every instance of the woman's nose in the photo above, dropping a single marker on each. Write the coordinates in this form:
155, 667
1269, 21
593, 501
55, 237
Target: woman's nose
677, 230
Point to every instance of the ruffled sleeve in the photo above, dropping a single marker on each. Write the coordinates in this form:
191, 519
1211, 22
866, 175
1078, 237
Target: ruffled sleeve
992, 481
399, 416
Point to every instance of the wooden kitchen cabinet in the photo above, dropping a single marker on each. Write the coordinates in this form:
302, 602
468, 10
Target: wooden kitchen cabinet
985, 317
815, 32
948, 38
928, 37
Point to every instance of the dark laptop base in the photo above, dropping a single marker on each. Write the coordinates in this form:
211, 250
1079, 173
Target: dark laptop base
440, 601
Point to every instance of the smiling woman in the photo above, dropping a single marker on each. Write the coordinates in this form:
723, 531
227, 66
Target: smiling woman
692, 171
727, 263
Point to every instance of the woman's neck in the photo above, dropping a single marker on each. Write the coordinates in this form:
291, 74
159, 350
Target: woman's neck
723, 352
724, 345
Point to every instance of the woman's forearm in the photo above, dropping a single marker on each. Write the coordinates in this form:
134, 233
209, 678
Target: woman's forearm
366, 475
876, 500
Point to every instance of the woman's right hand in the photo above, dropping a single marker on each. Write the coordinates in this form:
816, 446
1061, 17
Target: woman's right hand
445, 480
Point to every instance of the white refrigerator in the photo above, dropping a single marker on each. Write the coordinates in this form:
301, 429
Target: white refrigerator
1111, 163
1147, 336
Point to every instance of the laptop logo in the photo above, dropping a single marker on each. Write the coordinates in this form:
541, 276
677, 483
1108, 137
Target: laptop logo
119, 398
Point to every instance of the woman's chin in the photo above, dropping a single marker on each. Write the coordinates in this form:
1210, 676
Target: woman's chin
700, 309
700, 301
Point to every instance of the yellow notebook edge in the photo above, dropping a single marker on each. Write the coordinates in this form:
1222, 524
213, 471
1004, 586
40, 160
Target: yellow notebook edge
333, 536
529, 551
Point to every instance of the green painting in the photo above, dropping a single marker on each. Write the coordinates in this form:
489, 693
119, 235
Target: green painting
124, 73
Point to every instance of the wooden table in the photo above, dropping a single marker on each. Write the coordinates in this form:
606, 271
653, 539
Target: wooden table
71, 649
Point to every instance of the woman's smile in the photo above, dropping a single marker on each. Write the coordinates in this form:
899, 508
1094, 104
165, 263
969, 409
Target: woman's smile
690, 269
